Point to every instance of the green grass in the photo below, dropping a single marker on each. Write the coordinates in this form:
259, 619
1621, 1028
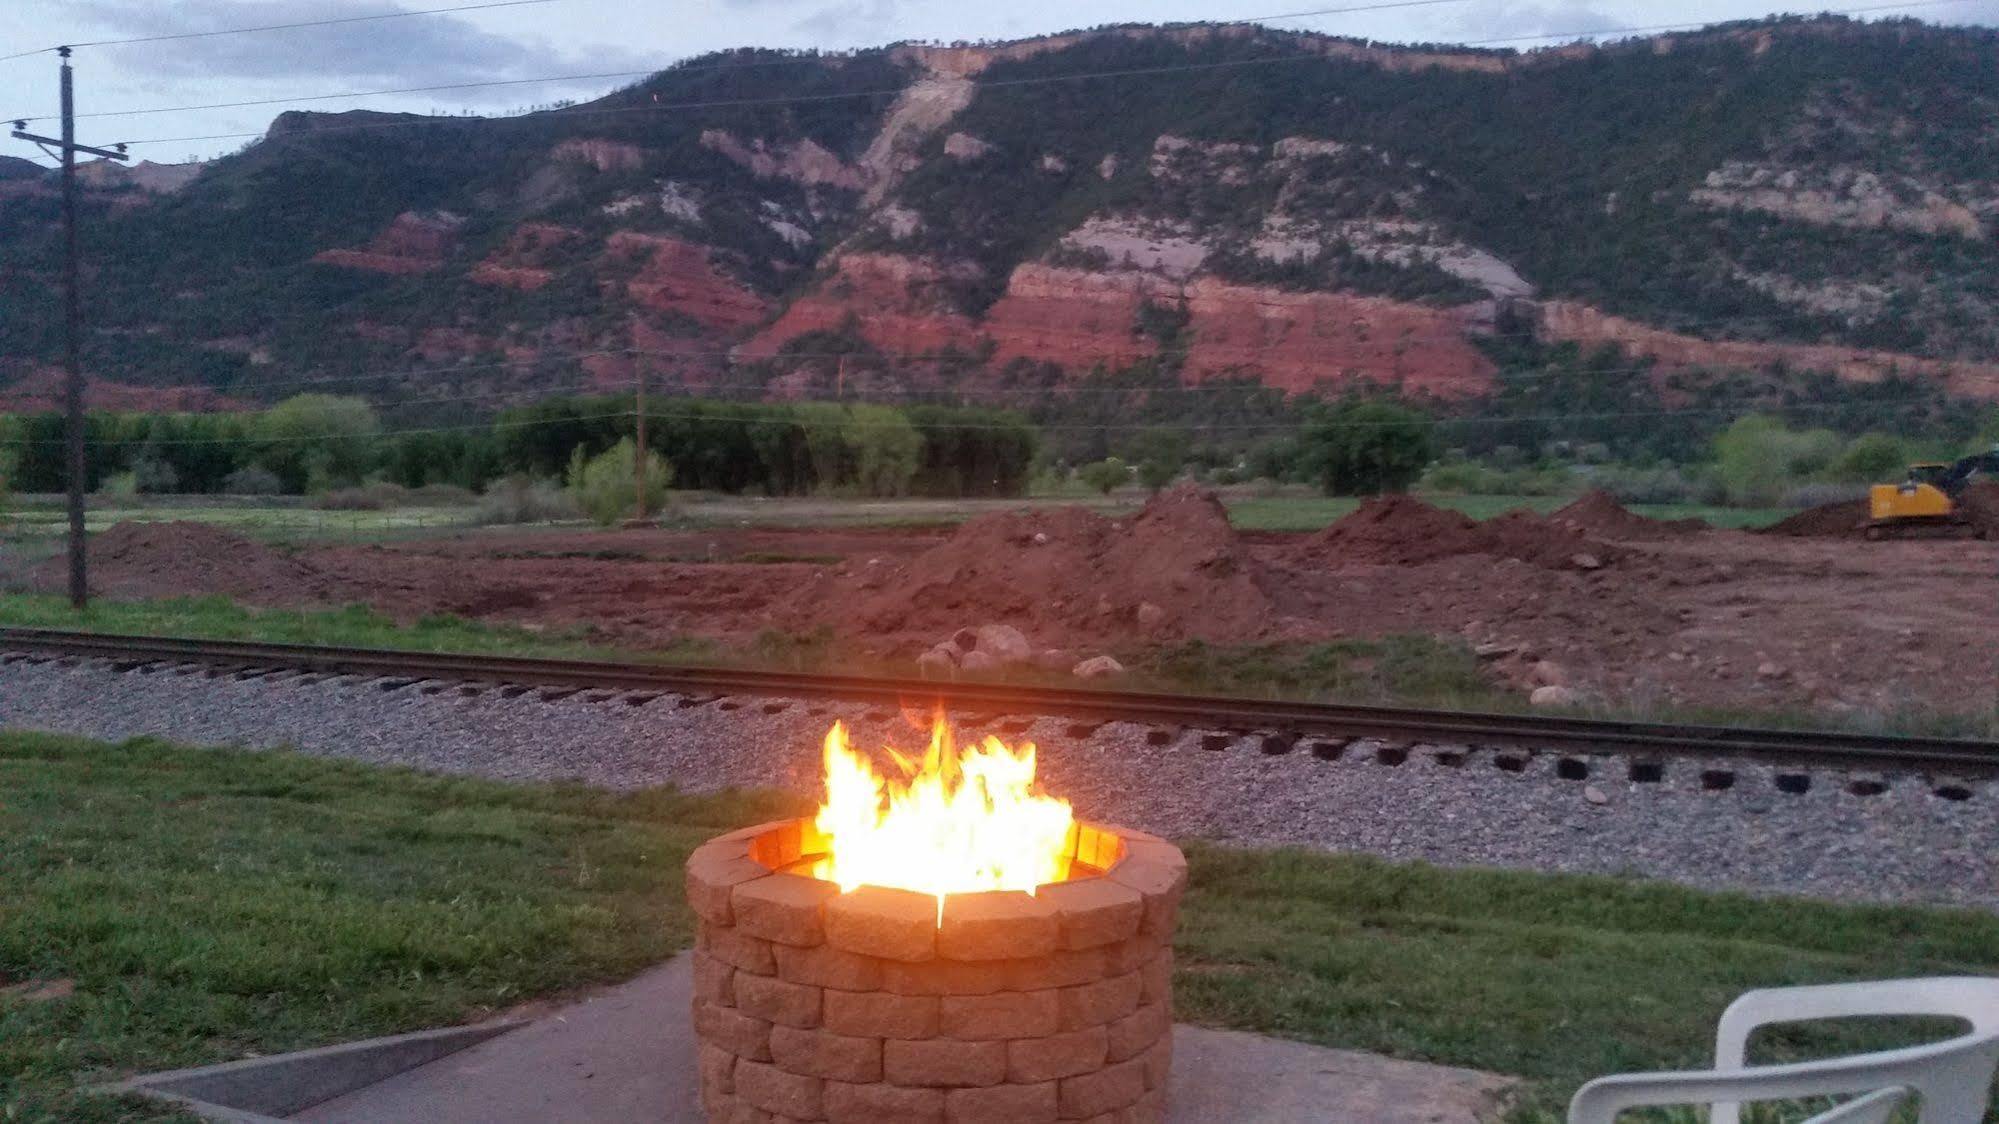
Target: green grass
276, 523
211, 903
1556, 979
208, 904
1309, 513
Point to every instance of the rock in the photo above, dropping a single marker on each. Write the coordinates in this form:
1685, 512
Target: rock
1552, 695
1004, 643
1769, 670
1595, 795
1150, 616
937, 663
1055, 659
1041, 538
1097, 667
1495, 650
966, 639
1548, 673
978, 659
1585, 561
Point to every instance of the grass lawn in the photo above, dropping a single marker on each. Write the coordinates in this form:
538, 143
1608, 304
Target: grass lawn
209, 903
1309, 513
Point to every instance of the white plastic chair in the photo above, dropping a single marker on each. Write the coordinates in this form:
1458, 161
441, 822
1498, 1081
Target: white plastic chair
1953, 1078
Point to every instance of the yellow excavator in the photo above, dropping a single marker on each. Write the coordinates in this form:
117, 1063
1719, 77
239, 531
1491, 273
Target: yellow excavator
1930, 501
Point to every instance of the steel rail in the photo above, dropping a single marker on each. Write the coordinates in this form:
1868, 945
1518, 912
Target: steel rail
1217, 713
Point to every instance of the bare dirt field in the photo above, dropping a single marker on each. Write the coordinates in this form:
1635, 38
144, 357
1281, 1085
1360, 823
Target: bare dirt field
1593, 597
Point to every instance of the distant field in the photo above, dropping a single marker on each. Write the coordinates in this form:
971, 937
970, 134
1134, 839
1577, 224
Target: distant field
43, 520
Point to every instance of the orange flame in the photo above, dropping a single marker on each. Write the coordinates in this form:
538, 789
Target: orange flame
955, 822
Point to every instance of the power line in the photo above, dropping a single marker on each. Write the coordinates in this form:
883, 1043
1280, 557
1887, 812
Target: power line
670, 69
1038, 80
281, 26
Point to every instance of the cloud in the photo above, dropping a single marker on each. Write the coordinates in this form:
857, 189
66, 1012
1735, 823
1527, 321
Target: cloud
419, 50
1501, 19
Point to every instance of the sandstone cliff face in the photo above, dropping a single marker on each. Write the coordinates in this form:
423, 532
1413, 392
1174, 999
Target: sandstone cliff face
412, 243
1561, 320
680, 277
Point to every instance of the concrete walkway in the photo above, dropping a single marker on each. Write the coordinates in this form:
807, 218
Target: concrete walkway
627, 1054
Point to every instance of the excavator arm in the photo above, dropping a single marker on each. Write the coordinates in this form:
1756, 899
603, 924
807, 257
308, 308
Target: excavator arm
1954, 481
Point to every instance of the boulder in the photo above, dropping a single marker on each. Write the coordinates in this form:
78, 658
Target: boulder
937, 663
1553, 696
1150, 616
978, 659
1055, 659
1004, 643
1097, 667
1548, 673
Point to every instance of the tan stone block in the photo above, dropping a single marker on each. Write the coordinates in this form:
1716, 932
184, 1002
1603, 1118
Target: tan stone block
725, 1108
713, 872
877, 921
785, 908
731, 1030
936, 1062
777, 1000
751, 954
1058, 1055
882, 1104
714, 980
1002, 1104
826, 966
1158, 1060
1151, 1108
1150, 871
1057, 969
1100, 1003
1131, 955
718, 1069
1109, 1089
945, 977
1158, 977
1092, 912
1133, 1034
774, 1090
1007, 1014
881, 1014
821, 1053
997, 925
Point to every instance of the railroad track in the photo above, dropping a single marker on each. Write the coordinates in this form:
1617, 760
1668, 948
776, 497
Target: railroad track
1280, 726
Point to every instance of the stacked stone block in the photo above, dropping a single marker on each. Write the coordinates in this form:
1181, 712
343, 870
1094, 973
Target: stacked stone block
875, 1006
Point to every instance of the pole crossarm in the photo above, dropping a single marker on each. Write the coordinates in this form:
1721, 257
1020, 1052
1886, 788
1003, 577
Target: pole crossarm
108, 154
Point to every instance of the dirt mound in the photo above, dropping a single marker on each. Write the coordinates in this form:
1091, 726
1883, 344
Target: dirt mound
1843, 520
1175, 571
1980, 504
1403, 531
1597, 512
186, 559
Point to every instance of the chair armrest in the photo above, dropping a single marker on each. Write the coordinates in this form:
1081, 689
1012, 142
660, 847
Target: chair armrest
1971, 998
1601, 1100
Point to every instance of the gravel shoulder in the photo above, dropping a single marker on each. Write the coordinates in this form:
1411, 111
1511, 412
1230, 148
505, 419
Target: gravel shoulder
1904, 844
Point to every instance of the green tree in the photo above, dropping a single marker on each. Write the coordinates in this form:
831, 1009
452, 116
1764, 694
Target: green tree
885, 449
317, 441
1104, 475
1367, 445
1872, 458
604, 485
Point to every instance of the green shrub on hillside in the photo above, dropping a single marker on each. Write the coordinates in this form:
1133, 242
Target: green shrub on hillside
1364, 446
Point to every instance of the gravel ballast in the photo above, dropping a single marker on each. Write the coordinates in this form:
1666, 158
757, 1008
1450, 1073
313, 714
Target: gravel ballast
1915, 838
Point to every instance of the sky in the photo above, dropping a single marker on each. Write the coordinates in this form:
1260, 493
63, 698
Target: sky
528, 43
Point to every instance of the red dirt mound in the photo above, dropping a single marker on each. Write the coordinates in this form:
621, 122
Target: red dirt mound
185, 559
1597, 512
1066, 575
1403, 531
1979, 505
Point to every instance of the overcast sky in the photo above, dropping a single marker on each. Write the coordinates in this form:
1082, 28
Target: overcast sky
568, 37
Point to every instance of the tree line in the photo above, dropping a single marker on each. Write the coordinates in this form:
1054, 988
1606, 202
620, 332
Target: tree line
314, 443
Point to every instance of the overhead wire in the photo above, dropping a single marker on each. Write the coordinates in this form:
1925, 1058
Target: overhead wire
1027, 81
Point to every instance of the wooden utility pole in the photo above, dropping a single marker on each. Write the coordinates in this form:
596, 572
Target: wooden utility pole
639, 461
79, 585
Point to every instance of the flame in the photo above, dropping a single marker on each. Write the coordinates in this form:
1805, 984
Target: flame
956, 821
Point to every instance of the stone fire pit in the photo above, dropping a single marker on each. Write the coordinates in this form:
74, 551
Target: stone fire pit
811, 1004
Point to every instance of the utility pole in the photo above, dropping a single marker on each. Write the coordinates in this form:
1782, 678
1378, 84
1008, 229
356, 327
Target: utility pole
639, 461
79, 586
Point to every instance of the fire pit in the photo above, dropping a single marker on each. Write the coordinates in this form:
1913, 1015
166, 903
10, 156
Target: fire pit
948, 945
